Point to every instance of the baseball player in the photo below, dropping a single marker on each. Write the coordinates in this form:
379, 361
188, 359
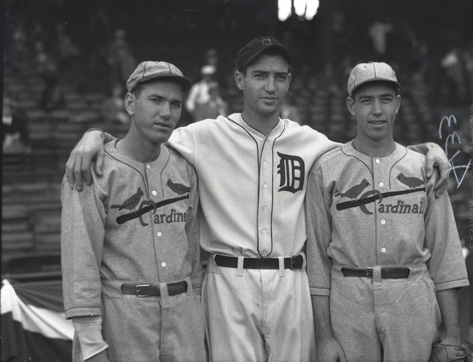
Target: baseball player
252, 169
384, 260
130, 244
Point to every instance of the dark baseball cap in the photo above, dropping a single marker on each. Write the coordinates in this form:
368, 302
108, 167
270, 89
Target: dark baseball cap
149, 70
259, 46
371, 72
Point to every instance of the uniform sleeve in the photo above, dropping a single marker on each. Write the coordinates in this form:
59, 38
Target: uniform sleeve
318, 224
82, 235
447, 264
193, 233
183, 141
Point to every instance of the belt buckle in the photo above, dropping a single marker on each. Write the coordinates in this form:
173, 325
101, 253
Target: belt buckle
138, 290
369, 273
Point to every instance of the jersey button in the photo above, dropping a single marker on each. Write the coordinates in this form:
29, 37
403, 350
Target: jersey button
383, 250
154, 192
263, 231
148, 166
383, 221
159, 233
378, 160
265, 185
265, 208
381, 184
163, 264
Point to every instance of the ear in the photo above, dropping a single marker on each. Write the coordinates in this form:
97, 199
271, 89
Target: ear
130, 104
398, 102
351, 105
289, 80
239, 79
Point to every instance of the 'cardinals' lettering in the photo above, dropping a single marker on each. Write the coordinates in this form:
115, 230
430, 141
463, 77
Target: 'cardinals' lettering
291, 170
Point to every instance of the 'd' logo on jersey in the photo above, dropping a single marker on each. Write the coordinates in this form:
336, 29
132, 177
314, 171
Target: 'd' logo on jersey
291, 170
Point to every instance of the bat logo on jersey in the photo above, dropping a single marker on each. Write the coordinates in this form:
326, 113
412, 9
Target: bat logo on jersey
149, 205
372, 195
291, 170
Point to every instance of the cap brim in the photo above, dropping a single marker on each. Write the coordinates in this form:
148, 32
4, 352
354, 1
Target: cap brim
396, 84
286, 54
184, 82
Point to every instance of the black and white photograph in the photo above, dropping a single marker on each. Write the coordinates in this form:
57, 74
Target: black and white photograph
237, 181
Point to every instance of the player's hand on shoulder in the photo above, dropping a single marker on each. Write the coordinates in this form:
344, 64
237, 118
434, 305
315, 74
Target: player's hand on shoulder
329, 350
437, 158
88, 151
99, 357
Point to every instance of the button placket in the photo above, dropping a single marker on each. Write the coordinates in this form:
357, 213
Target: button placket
265, 200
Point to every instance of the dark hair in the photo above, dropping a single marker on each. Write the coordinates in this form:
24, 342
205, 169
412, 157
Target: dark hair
270, 52
392, 85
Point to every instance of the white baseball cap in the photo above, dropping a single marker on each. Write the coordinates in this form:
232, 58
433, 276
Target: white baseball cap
370, 72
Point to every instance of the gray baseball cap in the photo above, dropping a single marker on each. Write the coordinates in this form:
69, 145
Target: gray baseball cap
149, 70
370, 72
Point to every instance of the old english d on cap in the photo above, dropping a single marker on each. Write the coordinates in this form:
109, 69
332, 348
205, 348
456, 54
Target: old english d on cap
258, 46
146, 71
370, 72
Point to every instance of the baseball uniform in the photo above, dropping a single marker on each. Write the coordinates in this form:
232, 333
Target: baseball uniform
134, 231
252, 189
373, 212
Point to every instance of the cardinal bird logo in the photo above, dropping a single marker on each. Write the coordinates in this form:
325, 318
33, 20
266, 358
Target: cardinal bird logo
411, 182
354, 191
131, 202
178, 188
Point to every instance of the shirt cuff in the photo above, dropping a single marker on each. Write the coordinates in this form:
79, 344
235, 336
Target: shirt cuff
452, 284
89, 334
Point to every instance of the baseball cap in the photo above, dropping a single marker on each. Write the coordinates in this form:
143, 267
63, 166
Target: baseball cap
148, 70
370, 72
258, 46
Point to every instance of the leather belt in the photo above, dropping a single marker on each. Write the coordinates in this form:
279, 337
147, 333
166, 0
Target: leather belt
386, 272
151, 290
294, 262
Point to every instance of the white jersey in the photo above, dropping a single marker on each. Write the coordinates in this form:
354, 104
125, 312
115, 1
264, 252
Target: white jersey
251, 186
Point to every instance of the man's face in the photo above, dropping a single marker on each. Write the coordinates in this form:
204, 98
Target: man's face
155, 109
374, 107
265, 84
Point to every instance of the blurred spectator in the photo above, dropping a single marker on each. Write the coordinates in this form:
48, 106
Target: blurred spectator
211, 58
99, 34
289, 110
113, 109
214, 107
52, 95
468, 57
18, 47
66, 51
378, 32
199, 93
452, 62
15, 135
120, 58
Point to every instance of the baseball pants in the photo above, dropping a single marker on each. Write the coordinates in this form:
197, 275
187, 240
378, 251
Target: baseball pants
165, 328
256, 315
390, 320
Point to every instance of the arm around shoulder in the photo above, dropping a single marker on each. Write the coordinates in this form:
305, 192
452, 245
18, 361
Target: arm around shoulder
88, 151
